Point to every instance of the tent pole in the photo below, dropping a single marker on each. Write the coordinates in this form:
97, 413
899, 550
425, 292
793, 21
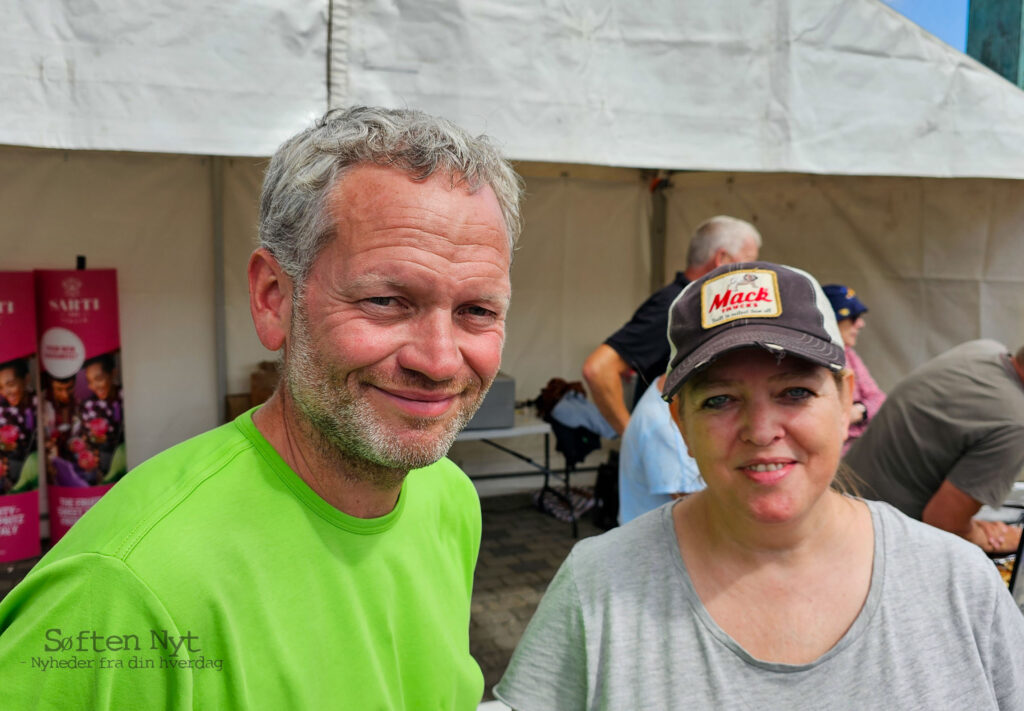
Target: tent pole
219, 297
659, 226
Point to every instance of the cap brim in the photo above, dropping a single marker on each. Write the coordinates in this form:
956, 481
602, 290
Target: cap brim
771, 338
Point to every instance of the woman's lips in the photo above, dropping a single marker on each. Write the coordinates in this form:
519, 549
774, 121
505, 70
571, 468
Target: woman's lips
767, 472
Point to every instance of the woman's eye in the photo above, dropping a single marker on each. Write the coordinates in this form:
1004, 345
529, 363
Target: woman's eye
715, 402
798, 393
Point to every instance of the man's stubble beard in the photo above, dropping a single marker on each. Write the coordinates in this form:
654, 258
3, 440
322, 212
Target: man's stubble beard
347, 432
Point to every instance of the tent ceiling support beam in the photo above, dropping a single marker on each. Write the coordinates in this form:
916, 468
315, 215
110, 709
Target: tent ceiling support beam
659, 225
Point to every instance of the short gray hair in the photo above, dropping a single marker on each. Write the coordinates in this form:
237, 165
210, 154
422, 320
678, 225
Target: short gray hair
719, 232
295, 222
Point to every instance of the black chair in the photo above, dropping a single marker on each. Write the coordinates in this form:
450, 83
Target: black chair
574, 444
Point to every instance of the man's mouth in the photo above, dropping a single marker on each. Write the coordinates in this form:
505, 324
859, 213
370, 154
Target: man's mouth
417, 403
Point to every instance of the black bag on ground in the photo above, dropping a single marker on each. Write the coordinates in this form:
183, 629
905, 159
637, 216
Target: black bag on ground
605, 513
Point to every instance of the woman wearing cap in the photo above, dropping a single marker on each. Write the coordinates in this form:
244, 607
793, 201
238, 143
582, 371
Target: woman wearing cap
769, 589
867, 396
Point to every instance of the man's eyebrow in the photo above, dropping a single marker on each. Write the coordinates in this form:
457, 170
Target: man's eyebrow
373, 281
496, 296
368, 282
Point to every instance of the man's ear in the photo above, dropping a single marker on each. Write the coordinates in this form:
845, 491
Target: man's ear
722, 257
270, 299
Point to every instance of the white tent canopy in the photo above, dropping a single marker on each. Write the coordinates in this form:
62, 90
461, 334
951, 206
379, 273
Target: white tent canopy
842, 87
180, 76
787, 108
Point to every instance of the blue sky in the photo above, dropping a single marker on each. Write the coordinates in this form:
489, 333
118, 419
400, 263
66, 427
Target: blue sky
946, 19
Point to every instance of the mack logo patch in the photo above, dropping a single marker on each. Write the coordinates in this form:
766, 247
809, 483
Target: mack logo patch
747, 293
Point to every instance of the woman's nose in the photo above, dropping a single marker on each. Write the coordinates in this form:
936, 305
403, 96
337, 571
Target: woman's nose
761, 426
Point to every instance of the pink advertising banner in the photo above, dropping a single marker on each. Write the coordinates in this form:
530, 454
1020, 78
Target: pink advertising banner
19, 449
83, 403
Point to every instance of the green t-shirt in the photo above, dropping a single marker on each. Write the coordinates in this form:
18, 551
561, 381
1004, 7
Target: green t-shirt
212, 577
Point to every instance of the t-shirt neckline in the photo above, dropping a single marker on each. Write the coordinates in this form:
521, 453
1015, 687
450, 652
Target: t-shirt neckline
851, 635
301, 490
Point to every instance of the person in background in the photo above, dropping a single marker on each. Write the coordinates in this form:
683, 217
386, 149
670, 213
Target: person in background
949, 438
60, 417
60, 411
768, 589
14, 386
17, 421
654, 466
99, 427
867, 396
640, 344
318, 551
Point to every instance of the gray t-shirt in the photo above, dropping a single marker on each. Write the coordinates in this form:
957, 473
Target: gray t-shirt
960, 417
621, 627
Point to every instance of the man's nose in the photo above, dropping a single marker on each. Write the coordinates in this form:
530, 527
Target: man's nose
433, 348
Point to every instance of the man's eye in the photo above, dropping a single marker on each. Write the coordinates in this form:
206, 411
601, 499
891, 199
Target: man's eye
381, 300
478, 311
715, 402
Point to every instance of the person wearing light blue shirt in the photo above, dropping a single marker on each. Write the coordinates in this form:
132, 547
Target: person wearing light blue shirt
654, 466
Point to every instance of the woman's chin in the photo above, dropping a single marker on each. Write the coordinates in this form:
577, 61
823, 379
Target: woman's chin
775, 509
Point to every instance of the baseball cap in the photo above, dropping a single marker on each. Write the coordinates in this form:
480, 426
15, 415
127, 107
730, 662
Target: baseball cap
781, 309
844, 301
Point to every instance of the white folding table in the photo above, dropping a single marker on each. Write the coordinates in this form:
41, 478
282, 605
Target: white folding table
524, 424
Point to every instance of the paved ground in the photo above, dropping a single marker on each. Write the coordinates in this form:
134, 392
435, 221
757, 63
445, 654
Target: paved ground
12, 573
520, 551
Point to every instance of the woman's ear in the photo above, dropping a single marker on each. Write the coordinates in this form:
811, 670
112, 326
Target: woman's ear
846, 398
675, 408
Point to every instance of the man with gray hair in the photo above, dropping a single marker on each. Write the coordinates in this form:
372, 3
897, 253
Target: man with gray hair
642, 343
317, 552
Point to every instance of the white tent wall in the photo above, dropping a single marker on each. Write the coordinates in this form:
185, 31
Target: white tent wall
582, 264
775, 90
149, 217
242, 180
936, 260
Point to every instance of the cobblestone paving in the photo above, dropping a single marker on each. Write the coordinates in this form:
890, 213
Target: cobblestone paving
12, 573
520, 550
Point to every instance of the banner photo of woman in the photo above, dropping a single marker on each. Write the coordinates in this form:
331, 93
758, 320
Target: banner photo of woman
83, 404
